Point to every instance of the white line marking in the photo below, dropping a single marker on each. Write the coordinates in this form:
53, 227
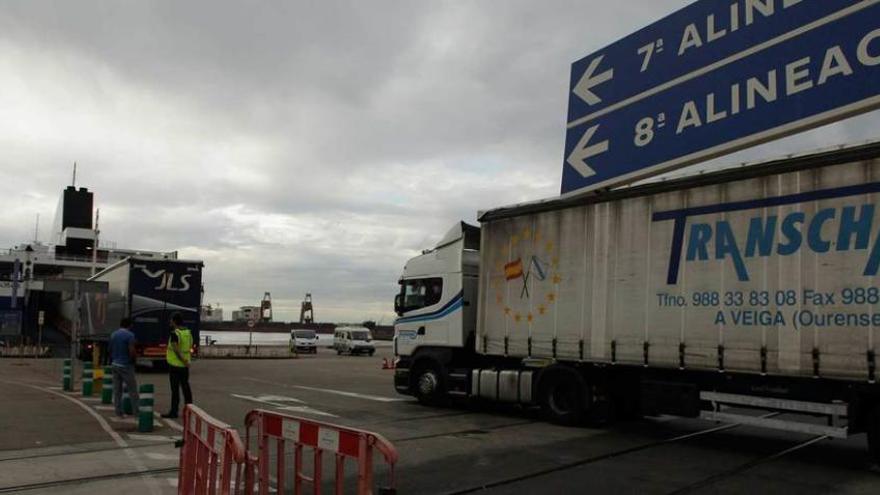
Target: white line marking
104, 408
128, 421
156, 456
726, 61
136, 462
152, 438
268, 398
173, 424
377, 398
282, 406
307, 410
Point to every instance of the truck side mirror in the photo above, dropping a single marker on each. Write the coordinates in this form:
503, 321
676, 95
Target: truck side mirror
398, 304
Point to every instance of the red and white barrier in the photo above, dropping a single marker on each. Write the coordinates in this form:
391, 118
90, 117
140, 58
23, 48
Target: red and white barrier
269, 429
212, 456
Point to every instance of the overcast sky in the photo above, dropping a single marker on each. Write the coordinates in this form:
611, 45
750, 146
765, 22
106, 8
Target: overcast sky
300, 145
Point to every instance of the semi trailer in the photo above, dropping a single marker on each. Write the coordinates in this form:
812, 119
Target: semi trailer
148, 291
705, 296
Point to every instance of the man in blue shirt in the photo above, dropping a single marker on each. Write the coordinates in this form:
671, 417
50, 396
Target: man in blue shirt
122, 360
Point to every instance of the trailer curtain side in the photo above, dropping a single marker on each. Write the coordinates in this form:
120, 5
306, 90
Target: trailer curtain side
768, 272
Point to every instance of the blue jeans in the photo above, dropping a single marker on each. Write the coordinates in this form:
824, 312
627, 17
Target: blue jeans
124, 375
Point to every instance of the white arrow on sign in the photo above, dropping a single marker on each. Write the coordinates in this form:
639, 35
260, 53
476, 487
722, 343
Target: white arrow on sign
584, 87
584, 151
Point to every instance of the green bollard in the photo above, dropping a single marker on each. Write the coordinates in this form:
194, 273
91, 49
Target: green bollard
107, 386
87, 379
126, 403
145, 408
66, 382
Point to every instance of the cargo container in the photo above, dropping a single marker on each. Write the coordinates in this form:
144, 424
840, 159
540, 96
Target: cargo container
149, 291
750, 287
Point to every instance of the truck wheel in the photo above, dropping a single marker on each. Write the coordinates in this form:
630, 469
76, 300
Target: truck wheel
428, 385
873, 429
564, 399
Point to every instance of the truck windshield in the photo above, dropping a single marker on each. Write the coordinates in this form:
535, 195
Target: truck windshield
421, 292
304, 334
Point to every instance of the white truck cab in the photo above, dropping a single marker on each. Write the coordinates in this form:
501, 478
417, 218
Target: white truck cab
437, 309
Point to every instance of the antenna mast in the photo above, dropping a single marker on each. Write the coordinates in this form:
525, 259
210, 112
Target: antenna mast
37, 230
74, 175
95, 244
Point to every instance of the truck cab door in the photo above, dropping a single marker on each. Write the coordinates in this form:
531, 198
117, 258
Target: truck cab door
426, 305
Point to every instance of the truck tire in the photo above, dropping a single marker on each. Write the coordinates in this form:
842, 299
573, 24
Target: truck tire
427, 384
873, 430
564, 398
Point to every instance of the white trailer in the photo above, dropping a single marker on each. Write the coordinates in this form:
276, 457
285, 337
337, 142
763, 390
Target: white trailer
750, 287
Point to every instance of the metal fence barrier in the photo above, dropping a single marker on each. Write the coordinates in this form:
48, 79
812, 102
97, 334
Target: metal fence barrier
266, 428
212, 457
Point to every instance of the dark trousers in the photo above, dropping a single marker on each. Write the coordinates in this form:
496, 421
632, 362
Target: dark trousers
179, 377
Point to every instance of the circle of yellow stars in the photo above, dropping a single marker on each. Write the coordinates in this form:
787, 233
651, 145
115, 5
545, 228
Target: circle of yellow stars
549, 247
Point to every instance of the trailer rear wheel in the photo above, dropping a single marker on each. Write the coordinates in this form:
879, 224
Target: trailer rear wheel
873, 429
564, 398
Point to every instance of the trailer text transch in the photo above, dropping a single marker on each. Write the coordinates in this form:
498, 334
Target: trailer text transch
753, 287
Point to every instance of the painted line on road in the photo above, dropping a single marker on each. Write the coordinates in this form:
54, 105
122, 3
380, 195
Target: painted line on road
100, 419
279, 404
173, 424
268, 398
104, 408
152, 438
128, 421
158, 456
132, 456
377, 398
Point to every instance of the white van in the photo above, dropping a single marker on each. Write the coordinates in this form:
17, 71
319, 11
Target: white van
304, 340
353, 340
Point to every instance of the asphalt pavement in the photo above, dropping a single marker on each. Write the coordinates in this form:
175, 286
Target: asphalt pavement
56, 442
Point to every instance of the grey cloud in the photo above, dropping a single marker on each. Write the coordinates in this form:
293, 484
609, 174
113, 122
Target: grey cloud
299, 146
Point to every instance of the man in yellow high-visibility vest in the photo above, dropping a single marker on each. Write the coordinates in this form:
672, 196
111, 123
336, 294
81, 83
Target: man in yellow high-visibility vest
178, 355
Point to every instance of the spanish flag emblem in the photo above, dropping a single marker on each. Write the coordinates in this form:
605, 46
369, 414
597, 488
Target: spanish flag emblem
514, 269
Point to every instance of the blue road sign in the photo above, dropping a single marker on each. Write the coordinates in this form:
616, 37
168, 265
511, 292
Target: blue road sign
716, 77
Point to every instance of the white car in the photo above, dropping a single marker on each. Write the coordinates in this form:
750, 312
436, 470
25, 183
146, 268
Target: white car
353, 340
304, 340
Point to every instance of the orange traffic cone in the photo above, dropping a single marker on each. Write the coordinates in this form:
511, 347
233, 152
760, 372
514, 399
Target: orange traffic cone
385, 365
